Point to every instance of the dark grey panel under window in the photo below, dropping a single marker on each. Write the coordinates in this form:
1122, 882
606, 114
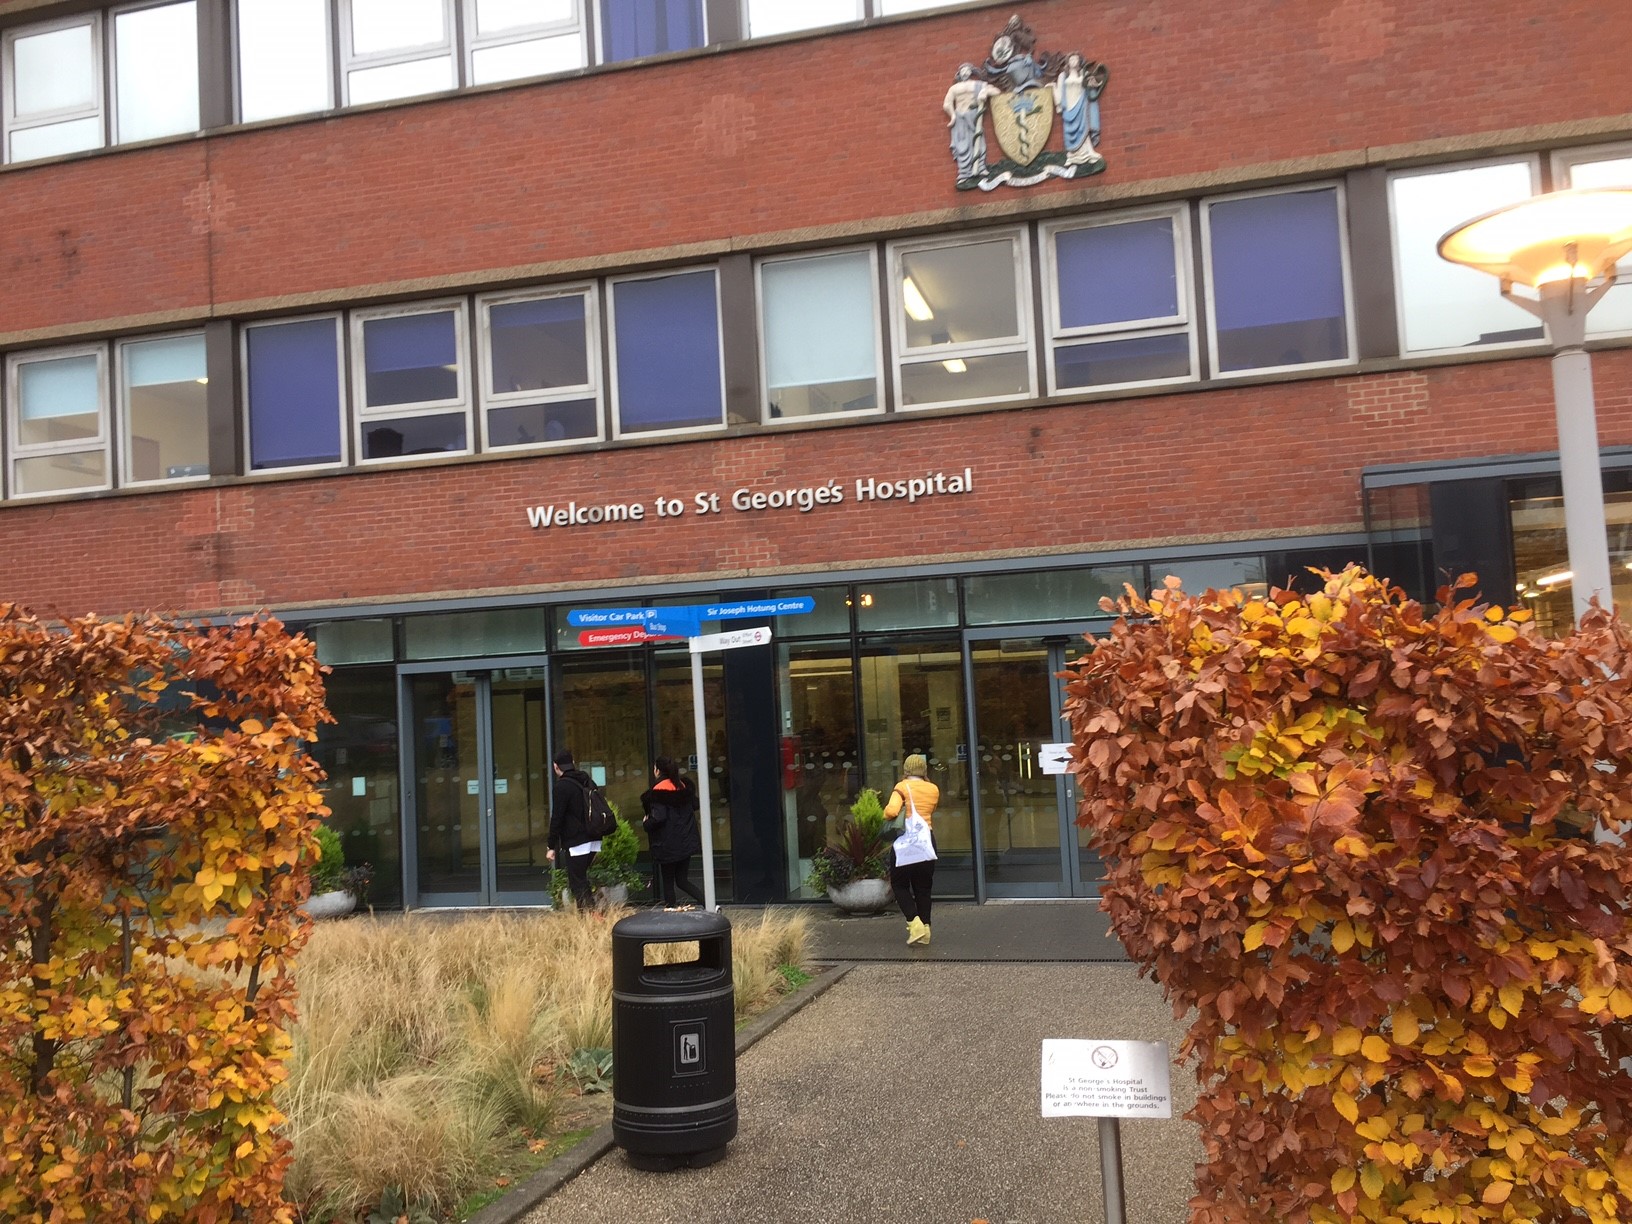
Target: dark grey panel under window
1106, 363
926, 604
1277, 275
498, 631
411, 359
419, 435
352, 641
999, 599
531, 424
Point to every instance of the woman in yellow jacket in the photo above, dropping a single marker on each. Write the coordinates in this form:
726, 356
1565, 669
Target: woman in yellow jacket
912, 860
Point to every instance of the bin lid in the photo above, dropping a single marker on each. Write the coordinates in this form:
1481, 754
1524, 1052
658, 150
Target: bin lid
662, 926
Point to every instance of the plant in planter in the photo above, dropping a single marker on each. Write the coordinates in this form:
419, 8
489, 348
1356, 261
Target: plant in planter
336, 888
612, 875
852, 870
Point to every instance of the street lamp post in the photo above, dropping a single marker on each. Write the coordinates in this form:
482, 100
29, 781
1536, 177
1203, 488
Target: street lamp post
1564, 247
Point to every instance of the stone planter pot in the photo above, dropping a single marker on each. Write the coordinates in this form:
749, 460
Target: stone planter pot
336, 904
861, 896
612, 895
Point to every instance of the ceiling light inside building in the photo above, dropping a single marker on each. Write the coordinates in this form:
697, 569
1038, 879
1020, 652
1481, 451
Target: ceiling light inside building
956, 366
914, 301
1547, 580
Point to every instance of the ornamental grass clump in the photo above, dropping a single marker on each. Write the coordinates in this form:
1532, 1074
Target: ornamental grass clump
1364, 844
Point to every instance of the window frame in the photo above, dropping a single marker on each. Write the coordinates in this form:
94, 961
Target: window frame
10, 125
121, 410
488, 398
246, 457
1345, 266
1561, 164
357, 355
1024, 343
16, 449
614, 394
111, 56
474, 42
765, 418
1182, 323
351, 61
330, 57
1533, 161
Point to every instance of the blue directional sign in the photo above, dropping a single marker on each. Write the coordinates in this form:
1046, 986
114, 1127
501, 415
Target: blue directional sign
797, 605
600, 618
685, 620
667, 623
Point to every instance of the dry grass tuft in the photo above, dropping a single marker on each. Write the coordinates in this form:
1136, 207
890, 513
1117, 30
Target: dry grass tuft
426, 1047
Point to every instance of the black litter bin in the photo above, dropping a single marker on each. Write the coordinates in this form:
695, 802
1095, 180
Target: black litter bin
674, 1049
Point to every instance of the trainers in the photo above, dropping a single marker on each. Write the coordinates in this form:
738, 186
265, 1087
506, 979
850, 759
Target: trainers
917, 932
925, 939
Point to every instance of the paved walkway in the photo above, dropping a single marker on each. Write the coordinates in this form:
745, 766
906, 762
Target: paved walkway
908, 1091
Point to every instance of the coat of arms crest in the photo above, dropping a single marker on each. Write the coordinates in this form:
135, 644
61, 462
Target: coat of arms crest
1022, 90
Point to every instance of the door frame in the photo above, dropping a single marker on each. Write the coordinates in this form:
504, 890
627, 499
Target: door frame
1055, 638
482, 669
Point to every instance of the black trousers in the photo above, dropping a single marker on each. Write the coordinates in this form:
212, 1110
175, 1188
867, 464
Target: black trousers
675, 876
578, 879
912, 884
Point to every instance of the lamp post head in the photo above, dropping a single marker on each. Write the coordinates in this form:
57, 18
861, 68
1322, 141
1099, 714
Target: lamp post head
1564, 235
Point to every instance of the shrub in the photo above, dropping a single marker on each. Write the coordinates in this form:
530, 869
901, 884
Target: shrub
329, 870
859, 850
615, 863
1356, 837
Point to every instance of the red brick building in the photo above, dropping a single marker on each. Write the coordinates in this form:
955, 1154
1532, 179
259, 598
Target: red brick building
425, 323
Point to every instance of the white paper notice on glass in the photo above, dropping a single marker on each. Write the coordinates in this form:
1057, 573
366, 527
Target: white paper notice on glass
1055, 758
1106, 1079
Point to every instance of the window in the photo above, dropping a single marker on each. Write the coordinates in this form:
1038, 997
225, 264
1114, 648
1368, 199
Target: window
818, 319
509, 39
1042, 595
667, 365
396, 48
284, 63
411, 391
1277, 280
768, 17
1119, 301
292, 391
633, 28
1442, 305
155, 70
57, 421
961, 331
163, 409
1602, 167
53, 88
540, 367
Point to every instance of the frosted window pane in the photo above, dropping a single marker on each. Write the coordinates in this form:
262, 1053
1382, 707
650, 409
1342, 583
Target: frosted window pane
525, 59
54, 139
58, 400
818, 320
1442, 304
153, 362
157, 71
499, 16
767, 17
401, 80
379, 26
283, 57
54, 71
1614, 312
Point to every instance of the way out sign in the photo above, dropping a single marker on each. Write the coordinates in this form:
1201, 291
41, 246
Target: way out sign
1106, 1079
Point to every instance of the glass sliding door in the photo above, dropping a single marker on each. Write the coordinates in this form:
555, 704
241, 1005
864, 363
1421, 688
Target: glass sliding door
478, 784
819, 749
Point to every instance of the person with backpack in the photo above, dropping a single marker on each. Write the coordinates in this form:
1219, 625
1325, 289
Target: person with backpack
570, 835
671, 826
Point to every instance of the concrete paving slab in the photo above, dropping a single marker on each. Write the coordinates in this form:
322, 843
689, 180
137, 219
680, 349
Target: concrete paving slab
963, 931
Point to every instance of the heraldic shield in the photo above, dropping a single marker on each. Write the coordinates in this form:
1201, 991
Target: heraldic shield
1022, 120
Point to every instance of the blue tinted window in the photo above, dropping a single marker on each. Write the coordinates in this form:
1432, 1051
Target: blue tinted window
668, 352
294, 394
411, 359
1116, 273
650, 27
1277, 266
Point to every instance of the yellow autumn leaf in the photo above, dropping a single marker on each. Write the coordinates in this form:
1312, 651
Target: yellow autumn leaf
1512, 997
1342, 937
1501, 633
1375, 1049
1371, 1181
1346, 1041
1479, 1066
1620, 1003
1254, 938
1346, 1106
1342, 1180
1406, 1028
252, 726
1497, 1193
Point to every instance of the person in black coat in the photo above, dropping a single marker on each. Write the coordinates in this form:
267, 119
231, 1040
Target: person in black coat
569, 838
671, 826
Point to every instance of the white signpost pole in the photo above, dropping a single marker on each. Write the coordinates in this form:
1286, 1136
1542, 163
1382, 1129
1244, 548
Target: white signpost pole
699, 645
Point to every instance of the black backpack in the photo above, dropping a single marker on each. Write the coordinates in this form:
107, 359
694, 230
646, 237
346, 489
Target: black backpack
599, 819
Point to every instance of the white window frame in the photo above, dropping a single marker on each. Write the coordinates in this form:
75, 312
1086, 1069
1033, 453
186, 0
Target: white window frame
1181, 323
329, 35
1562, 162
614, 403
598, 51
474, 42
591, 389
16, 449
1350, 338
745, 10
759, 327
8, 78
1022, 343
351, 62
337, 319
111, 54
362, 414
1533, 161
122, 412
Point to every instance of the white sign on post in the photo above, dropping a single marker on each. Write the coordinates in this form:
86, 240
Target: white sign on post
730, 639
1055, 758
1106, 1079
